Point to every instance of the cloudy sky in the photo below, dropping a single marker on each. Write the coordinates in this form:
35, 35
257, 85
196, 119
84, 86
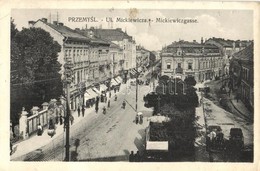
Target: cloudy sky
228, 24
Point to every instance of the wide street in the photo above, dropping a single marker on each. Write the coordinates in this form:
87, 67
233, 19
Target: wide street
100, 137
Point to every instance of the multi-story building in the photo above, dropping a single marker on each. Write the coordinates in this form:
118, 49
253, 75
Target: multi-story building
183, 59
120, 38
228, 48
242, 75
89, 56
116, 57
142, 57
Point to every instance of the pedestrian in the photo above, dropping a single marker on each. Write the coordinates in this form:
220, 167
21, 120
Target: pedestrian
137, 157
115, 90
78, 110
83, 110
105, 99
97, 100
237, 97
109, 94
136, 119
71, 119
220, 138
115, 97
131, 157
212, 137
57, 119
39, 129
61, 121
96, 108
141, 119
108, 104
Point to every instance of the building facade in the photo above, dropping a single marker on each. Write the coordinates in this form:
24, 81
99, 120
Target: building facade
90, 56
227, 49
142, 57
184, 59
242, 75
120, 38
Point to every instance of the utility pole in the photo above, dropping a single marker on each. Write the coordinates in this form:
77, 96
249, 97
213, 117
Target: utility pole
68, 66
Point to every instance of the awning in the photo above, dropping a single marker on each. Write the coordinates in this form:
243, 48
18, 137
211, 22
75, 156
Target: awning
158, 145
133, 71
120, 79
114, 82
90, 94
158, 119
96, 90
103, 87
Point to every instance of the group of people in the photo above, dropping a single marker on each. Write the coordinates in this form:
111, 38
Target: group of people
82, 109
216, 139
134, 157
139, 119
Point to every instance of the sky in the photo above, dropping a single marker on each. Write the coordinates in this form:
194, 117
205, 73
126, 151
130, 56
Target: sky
227, 24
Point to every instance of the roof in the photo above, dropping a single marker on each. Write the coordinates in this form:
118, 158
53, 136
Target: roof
246, 54
93, 39
112, 34
222, 42
186, 44
66, 32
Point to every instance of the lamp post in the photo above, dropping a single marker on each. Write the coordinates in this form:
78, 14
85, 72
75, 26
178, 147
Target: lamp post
68, 66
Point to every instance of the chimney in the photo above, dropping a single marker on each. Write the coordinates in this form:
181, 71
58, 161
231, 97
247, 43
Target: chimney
119, 29
86, 27
201, 40
55, 22
194, 41
44, 20
60, 24
77, 29
31, 23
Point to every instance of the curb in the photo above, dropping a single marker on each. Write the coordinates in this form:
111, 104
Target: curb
247, 117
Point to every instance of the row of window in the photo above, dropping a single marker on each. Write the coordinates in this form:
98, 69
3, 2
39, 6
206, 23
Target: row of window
245, 73
172, 88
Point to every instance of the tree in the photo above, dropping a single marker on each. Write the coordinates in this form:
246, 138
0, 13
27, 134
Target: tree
190, 81
34, 68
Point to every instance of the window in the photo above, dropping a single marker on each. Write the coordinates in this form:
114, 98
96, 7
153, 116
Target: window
168, 65
179, 65
190, 66
163, 88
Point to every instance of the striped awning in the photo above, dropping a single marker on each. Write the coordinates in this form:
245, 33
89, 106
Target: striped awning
133, 71
120, 79
90, 94
96, 90
103, 87
114, 82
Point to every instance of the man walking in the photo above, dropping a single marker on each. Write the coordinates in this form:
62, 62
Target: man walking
83, 110
108, 104
78, 110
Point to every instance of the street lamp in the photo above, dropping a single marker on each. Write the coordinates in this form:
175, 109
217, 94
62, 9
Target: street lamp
68, 66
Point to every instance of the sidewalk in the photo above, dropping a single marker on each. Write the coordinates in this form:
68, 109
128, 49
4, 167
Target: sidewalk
35, 142
240, 107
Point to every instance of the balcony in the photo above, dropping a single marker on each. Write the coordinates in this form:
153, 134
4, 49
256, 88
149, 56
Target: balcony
179, 70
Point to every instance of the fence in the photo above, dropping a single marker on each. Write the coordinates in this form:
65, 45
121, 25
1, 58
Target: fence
34, 120
29, 125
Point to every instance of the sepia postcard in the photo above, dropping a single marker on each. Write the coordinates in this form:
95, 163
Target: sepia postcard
123, 85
